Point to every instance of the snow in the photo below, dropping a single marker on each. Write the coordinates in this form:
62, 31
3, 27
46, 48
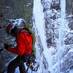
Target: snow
39, 21
71, 71
60, 44
17, 70
40, 26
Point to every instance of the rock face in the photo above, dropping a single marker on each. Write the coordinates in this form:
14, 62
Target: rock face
69, 6
69, 39
51, 15
16, 8
67, 64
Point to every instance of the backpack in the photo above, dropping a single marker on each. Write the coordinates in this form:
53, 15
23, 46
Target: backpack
33, 40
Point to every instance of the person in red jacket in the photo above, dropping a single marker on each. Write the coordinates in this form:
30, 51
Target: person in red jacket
23, 49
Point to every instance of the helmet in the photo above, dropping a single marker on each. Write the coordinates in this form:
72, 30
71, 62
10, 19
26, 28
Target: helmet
9, 27
19, 23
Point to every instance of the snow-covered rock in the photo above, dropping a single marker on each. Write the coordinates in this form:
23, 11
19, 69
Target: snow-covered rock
69, 39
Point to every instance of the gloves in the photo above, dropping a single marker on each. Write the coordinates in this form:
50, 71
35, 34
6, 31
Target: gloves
6, 46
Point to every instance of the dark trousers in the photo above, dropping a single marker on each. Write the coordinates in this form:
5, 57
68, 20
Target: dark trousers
18, 61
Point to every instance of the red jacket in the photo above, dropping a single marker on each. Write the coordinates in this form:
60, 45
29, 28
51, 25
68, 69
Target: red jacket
24, 44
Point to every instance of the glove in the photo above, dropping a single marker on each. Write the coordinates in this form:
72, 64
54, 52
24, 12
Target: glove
6, 46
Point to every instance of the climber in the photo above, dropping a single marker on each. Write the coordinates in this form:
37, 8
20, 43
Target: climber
24, 40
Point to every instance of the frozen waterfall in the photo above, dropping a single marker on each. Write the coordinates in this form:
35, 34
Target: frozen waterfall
39, 25
40, 28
